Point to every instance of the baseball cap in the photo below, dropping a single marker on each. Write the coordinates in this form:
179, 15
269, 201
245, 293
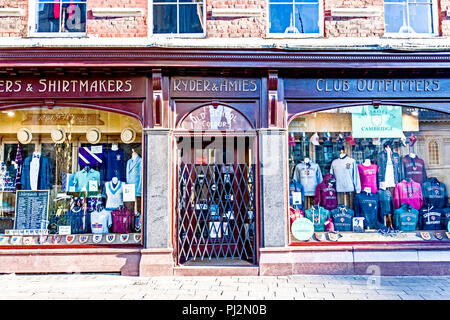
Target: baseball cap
412, 140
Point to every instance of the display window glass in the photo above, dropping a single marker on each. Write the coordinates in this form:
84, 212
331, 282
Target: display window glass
369, 173
70, 176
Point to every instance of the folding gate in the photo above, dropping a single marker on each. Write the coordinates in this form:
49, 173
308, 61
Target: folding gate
216, 211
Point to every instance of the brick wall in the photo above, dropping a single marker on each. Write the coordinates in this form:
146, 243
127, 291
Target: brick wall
354, 26
236, 27
14, 26
445, 21
130, 27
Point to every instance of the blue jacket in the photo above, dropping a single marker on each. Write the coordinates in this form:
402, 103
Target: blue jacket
406, 217
342, 218
386, 202
430, 218
434, 193
45, 174
134, 174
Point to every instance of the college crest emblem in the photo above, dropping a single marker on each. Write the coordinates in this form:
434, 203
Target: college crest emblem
4, 240
347, 165
28, 240
124, 237
83, 239
439, 235
16, 240
320, 236
137, 238
96, 238
447, 234
110, 238
56, 239
70, 238
42, 239
425, 235
333, 236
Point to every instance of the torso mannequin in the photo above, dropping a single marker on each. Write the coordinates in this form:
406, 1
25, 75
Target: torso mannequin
367, 162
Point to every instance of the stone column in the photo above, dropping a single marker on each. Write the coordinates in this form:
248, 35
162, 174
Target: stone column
156, 256
274, 258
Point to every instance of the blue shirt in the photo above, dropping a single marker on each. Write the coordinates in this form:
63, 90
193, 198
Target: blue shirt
434, 193
134, 174
430, 218
366, 205
342, 218
294, 186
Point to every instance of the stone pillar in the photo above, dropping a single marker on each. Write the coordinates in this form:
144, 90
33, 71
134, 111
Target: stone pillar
156, 256
273, 164
274, 258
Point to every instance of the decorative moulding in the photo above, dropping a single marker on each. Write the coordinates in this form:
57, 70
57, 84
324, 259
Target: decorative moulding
11, 12
355, 12
117, 12
233, 12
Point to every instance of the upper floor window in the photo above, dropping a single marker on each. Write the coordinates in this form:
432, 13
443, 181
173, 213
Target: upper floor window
178, 16
411, 16
60, 16
295, 17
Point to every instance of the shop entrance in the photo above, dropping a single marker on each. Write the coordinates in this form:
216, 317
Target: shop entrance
216, 216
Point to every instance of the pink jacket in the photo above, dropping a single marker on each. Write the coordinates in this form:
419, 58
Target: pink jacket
408, 192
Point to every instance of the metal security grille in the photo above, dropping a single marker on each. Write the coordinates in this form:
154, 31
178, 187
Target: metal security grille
215, 208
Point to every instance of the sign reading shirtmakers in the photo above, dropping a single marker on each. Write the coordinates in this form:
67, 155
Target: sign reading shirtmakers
61, 87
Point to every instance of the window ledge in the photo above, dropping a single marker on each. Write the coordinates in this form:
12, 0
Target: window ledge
11, 12
117, 12
356, 12
294, 36
235, 12
409, 36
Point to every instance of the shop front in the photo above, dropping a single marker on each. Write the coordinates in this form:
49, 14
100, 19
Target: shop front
368, 177
72, 174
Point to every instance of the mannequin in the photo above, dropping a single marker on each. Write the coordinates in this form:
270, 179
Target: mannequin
345, 170
36, 171
367, 162
134, 176
114, 193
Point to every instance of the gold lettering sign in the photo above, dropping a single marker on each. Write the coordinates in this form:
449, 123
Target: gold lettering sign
74, 119
213, 85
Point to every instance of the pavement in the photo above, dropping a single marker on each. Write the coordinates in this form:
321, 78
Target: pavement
295, 287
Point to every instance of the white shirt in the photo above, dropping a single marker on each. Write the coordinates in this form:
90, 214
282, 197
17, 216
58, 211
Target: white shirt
34, 171
100, 221
389, 180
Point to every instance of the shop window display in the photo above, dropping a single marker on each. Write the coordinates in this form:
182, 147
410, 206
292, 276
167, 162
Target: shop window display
373, 175
70, 176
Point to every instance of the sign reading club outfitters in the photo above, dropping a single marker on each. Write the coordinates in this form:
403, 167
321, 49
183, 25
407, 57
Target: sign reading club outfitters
366, 88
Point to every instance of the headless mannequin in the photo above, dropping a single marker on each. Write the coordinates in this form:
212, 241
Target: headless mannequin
367, 162
345, 197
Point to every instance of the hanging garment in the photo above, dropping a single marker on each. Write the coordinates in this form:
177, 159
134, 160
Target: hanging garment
114, 194
368, 176
326, 194
318, 216
101, 221
405, 218
342, 218
43, 174
409, 192
414, 168
389, 168
430, 218
82, 178
134, 174
309, 176
366, 205
347, 176
434, 193
122, 220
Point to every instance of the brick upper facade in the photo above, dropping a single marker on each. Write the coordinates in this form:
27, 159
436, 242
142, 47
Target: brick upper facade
244, 19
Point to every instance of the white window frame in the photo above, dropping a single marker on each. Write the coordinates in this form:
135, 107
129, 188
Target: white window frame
434, 19
174, 35
320, 34
32, 25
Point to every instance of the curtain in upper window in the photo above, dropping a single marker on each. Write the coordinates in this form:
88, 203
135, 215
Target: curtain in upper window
295, 16
410, 16
178, 17
61, 16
